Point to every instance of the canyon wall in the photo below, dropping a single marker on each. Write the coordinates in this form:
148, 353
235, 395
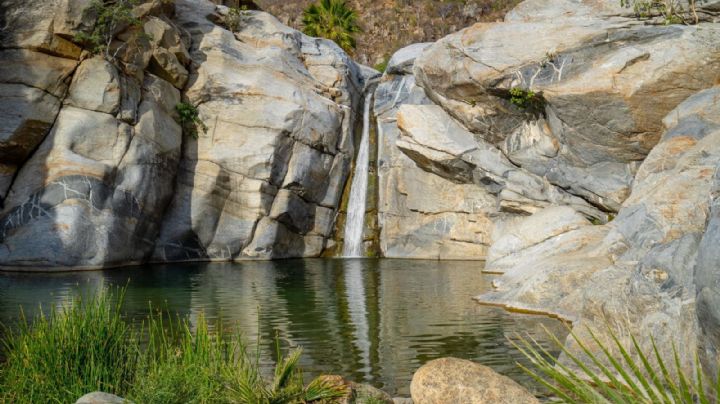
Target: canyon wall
96, 170
583, 140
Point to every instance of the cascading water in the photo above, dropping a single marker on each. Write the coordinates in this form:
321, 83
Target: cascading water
355, 223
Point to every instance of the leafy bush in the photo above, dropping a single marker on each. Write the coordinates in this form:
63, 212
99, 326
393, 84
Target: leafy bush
111, 17
90, 346
334, 20
624, 380
190, 118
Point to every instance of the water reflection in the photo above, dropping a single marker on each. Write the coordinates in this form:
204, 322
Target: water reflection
373, 321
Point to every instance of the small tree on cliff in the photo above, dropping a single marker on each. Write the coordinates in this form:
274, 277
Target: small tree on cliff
111, 18
334, 20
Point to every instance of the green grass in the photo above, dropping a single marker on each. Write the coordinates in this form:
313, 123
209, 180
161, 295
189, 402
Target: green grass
90, 346
618, 375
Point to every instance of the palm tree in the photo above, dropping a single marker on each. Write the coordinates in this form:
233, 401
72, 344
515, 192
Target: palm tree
334, 20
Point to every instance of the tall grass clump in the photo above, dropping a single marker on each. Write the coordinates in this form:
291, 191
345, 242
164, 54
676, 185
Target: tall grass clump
181, 366
90, 346
67, 352
628, 376
334, 20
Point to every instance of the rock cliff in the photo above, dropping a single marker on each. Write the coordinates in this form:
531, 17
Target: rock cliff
96, 171
572, 146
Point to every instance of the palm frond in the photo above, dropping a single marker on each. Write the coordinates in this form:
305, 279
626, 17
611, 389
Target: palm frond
334, 20
619, 374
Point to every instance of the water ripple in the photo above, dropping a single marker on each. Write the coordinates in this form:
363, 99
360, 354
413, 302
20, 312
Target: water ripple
372, 321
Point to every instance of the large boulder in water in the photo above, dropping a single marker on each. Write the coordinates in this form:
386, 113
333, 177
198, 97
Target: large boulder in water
570, 103
451, 380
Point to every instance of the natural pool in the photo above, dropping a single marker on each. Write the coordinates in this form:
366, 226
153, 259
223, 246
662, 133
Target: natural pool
373, 321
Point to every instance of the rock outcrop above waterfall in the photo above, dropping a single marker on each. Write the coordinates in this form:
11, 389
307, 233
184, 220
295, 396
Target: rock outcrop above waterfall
95, 170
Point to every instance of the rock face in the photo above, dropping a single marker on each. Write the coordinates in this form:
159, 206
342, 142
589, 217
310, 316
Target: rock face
451, 380
601, 88
266, 177
442, 188
422, 215
652, 259
95, 170
543, 128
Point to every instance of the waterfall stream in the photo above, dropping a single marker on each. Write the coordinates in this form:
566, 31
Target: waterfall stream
355, 223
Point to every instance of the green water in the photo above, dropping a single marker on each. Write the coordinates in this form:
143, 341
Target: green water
373, 321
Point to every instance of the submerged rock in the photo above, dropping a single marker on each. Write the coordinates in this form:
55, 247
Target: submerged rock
451, 380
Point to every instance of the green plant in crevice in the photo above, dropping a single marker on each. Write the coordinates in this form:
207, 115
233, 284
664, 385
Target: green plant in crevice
190, 119
334, 20
628, 376
382, 66
598, 222
233, 19
110, 18
526, 99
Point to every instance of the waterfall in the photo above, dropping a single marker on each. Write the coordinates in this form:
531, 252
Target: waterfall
355, 223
